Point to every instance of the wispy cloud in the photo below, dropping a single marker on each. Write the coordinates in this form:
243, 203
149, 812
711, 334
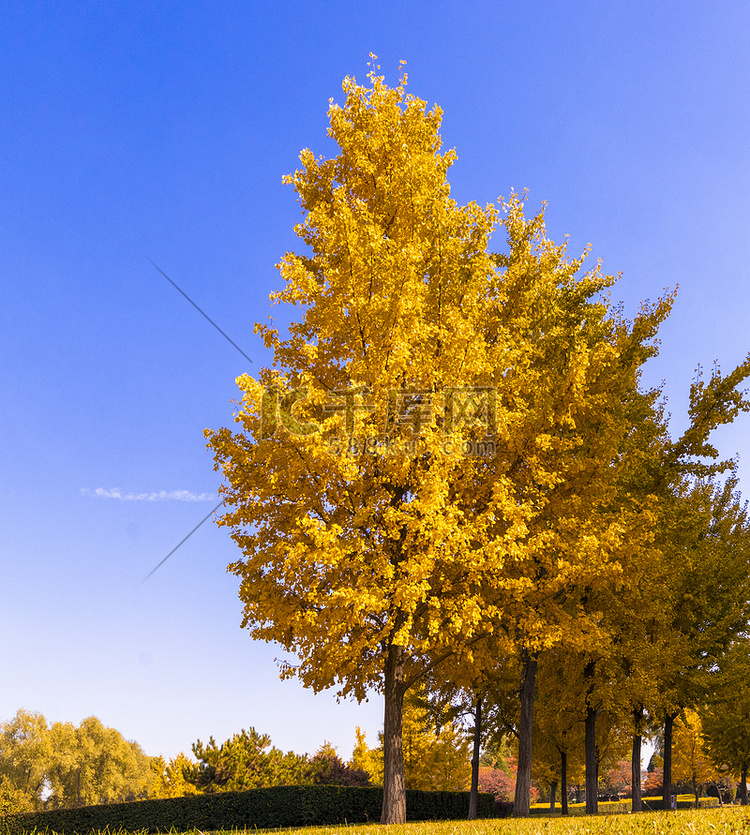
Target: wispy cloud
160, 496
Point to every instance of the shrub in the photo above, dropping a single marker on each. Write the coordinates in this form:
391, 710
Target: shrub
654, 804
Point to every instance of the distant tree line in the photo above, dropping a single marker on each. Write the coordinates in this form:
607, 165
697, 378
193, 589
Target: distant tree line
45, 766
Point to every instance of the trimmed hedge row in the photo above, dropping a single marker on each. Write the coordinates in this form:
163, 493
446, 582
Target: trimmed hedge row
606, 807
613, 807
282, 806
654, 804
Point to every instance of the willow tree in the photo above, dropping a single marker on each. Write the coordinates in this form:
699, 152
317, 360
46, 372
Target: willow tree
65, 766
25, 752
429, 461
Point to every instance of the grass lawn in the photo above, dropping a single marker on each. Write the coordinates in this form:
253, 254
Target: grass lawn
713, 821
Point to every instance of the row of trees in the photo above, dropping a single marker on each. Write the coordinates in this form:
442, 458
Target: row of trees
51, 767
673, 642
694, 769
453, 477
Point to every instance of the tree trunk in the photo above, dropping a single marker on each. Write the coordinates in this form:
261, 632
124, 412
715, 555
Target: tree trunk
475, 760
552, 793
592, 770
635, 762
522, 799
667, 779
743, 786
394, 781
564, 782
695, 791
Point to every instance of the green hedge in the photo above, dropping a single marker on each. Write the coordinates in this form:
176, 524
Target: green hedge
283, 806
606, 807
613, 807
654, 804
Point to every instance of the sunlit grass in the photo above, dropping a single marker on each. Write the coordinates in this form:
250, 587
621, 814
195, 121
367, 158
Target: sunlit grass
715, 821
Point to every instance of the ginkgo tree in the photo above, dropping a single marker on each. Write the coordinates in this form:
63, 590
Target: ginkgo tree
702, 585
691, 762
726, 715
432, 461
347, 488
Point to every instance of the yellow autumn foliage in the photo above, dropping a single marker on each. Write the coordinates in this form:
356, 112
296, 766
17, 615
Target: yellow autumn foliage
436, 455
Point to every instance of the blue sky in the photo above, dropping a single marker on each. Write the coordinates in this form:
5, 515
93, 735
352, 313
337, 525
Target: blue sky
136, 131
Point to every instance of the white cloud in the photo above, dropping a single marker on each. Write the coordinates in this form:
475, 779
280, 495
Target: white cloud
161, 496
